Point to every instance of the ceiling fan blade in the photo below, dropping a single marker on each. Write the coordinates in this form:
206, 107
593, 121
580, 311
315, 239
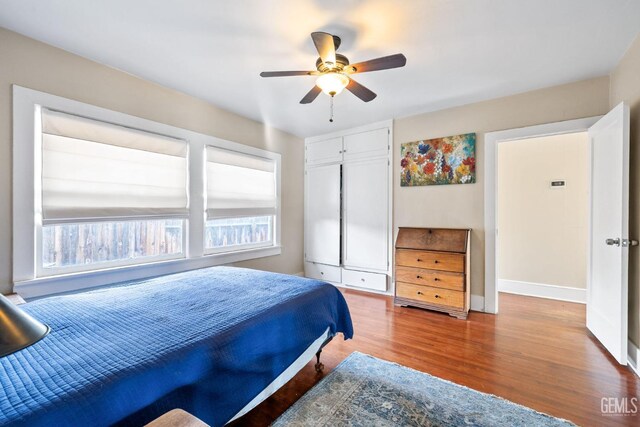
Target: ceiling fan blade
360, 91
287, 73
311, 95
384, 63
326, 47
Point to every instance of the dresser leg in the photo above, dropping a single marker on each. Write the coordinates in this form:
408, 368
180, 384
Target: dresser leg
461, 316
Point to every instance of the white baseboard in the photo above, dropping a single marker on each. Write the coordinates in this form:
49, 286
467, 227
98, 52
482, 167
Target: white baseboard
541, 290
300, 273
633, 357
477, 302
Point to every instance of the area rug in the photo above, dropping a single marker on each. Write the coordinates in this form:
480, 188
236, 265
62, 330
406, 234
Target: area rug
366, 391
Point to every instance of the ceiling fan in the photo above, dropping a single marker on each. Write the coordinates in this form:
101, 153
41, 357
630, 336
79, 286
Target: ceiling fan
334, 70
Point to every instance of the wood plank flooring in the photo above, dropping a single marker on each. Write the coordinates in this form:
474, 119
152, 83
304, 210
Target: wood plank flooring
536, 352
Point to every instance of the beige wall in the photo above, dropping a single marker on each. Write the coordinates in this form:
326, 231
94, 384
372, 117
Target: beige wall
463, 205
625, 86
542, 234
38, 66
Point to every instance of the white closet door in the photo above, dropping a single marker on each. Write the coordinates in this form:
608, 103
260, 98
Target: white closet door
322, 211
322, 152
366, 206
363, 145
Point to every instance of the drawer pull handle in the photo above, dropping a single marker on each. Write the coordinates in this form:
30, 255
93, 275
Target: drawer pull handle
437, 296
436, 261
418, 277
362, 279
420, 293
322, 272
419, 260
435, 279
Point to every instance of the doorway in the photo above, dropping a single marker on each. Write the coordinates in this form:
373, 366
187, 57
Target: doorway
542, 216
492, 141
608, 225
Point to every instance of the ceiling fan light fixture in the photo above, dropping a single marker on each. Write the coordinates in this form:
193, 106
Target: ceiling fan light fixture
332, 83
334, 70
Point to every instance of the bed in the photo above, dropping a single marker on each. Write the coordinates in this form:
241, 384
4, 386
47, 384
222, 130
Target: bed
214, 342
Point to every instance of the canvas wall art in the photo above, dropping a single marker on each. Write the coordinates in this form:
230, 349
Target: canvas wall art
449, 160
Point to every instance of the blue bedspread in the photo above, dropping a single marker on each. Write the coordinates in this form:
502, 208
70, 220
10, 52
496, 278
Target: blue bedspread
207, 341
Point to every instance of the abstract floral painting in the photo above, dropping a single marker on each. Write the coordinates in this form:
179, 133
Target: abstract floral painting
449, 160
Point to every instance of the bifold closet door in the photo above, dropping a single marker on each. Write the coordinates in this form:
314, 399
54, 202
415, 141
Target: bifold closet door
365, 214
322, 211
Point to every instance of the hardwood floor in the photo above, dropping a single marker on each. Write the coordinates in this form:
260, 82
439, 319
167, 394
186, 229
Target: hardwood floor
536, 352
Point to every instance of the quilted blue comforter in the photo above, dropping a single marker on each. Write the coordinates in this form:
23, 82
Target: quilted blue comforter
207, 341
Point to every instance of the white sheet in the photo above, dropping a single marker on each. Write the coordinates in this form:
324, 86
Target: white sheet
285, 376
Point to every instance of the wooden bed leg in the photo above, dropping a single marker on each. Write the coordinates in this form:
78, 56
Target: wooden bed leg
319, 366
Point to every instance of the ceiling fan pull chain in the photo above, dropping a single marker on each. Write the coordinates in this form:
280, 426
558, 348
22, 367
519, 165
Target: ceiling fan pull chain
331, 110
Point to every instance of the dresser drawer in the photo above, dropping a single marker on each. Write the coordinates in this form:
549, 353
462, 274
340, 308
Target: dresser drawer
430, 260
325, 272
434, 278
427, 294
362, 279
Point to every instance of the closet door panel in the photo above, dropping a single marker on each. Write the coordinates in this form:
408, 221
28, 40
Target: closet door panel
321, 152
322, 211
374, 143
366, 205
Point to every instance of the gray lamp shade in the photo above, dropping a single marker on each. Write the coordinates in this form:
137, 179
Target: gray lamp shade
17, 329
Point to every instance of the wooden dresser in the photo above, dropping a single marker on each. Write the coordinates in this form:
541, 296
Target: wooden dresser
432, 269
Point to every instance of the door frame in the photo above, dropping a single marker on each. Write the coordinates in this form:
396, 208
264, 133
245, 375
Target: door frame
491, 141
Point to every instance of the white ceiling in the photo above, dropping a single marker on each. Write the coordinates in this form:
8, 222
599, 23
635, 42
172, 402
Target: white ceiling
458, 51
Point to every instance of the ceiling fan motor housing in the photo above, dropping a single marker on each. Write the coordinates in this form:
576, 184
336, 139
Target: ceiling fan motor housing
341, 63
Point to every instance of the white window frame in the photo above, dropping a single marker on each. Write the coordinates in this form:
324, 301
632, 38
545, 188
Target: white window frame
27, 199
276, 220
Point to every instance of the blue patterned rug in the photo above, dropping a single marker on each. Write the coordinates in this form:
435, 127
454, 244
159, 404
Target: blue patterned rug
364, 391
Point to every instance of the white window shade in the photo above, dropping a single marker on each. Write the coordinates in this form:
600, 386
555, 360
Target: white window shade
239, 184
92, 170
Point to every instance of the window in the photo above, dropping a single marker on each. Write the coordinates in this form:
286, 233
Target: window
239, 233
102, 197
88, 244
108, 193
241, 200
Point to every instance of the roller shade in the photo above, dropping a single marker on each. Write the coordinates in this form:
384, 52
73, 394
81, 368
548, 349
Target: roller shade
239, 184
93, 170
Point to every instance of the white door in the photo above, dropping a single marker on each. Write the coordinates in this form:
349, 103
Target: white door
322, 214
366, 198
607, 285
